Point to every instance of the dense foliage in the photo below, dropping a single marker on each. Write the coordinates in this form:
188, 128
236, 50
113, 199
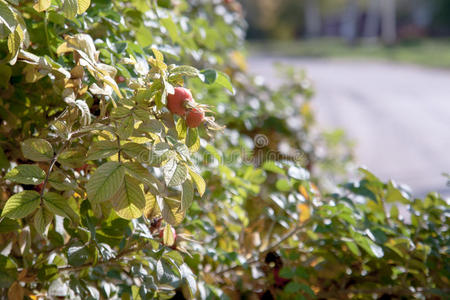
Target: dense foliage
105, 194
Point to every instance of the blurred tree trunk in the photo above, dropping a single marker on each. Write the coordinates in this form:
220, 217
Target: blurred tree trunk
372, 21
312, 18
388, 21
349, 23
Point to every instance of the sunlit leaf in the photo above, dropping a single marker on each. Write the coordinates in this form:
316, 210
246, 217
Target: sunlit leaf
129, 201
105, 182
21, 205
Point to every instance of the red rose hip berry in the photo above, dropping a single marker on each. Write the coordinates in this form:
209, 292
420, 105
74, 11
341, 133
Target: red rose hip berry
175, 102
195, 117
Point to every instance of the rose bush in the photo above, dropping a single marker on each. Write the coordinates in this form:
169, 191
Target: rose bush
105, 194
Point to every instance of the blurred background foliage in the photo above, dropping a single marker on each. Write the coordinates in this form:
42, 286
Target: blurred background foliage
290, 19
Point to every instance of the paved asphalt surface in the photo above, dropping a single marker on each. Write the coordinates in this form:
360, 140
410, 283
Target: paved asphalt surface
398, 115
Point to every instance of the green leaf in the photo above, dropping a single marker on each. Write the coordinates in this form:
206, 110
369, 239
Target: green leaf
5, 76
61, 182
175, 173
70, 8
192, 139
287, 272
105, 182
199, 182
58, 205
72, 158
171, 29
274, 167
181, 128
213, 151
42, 219
48, 273
37, 150
353, 248
210, 76
141, 173
129, 201
292, 287
7, 16
283, 185
187, 195
42, 5
9, 225
77, 254
153, 126
185, 71
126, 127
14, 41
138, 151
159, 59
83, 5
21, 205
26, 174
102, 149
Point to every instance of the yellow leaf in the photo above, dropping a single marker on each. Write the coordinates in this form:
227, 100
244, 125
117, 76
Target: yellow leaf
83, 5
159, 59
151, 210
199, 182
239, 59
14, 41
42, 5
63, 48
304, 212
303, 191
168, 236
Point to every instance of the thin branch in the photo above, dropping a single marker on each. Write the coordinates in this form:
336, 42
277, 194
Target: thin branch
50, 168
269, 248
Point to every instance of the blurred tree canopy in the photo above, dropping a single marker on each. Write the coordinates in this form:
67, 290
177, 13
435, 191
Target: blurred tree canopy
287, 19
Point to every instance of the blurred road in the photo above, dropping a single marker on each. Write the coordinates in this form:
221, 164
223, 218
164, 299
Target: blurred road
398, 115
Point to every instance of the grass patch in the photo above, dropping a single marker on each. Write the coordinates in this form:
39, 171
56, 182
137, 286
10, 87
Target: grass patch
427, 52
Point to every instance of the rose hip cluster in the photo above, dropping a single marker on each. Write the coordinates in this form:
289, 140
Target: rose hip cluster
181, 103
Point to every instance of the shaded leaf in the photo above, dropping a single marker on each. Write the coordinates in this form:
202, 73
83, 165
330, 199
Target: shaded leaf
102, 149
42, 219
187, 195
58, 205
37, 149
26, 174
